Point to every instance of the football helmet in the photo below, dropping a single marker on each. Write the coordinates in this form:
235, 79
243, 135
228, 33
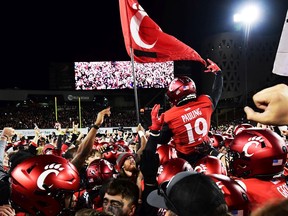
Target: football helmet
235, 196
171, 167
48, 149
210, 165
98, 171
109, 150
240, 127
40, 184
227, 141
165, 153
217, 140
180, 89
257, 152
113, 151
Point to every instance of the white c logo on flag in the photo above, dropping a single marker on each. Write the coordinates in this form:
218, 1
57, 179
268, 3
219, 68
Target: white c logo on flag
135, 25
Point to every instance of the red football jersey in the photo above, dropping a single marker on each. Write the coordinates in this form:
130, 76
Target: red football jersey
262, 191
190, 123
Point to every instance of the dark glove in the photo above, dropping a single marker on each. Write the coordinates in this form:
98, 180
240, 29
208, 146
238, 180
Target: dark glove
212, 67
157, 122
149, 164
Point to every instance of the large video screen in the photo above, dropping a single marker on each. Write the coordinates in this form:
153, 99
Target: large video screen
119, 75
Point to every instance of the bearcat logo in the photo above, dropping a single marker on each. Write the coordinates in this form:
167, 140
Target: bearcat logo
256, 140
50, 168
201, 168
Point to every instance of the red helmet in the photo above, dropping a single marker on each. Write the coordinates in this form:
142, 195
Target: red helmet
217, 140
210, 165
97, 145
257, 152
120, 142
235, 196
180, 89
165, 153
170, 168
122, 148
227, 141
112, 152
20, 143
226, 135
99, 171
240, 127
40, 184
48, 149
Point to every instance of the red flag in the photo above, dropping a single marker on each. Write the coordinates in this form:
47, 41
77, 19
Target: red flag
149, 42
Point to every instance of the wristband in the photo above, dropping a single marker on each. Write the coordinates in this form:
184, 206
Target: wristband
154, 134
95, 126
220, 155
141, 134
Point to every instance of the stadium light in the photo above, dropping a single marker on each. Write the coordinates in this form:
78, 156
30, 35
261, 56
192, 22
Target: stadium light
248, 15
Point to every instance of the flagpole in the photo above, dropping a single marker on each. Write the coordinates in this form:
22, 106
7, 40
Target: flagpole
80, 122
56, 114
135, 86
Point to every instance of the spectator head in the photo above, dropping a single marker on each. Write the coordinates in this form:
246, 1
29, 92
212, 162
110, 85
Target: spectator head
190, 193
121, 197
121, 161
181, 89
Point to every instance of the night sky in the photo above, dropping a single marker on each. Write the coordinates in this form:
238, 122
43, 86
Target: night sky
35, 34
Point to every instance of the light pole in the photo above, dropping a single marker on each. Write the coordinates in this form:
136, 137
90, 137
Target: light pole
247, 16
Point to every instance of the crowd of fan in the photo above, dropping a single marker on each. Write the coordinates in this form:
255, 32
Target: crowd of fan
118, 75
44, 117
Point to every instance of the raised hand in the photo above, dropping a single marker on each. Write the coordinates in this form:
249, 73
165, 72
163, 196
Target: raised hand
273, 102
212, 67
101, 115
157, 121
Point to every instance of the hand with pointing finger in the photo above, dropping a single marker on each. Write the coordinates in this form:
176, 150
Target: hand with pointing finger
274, 103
